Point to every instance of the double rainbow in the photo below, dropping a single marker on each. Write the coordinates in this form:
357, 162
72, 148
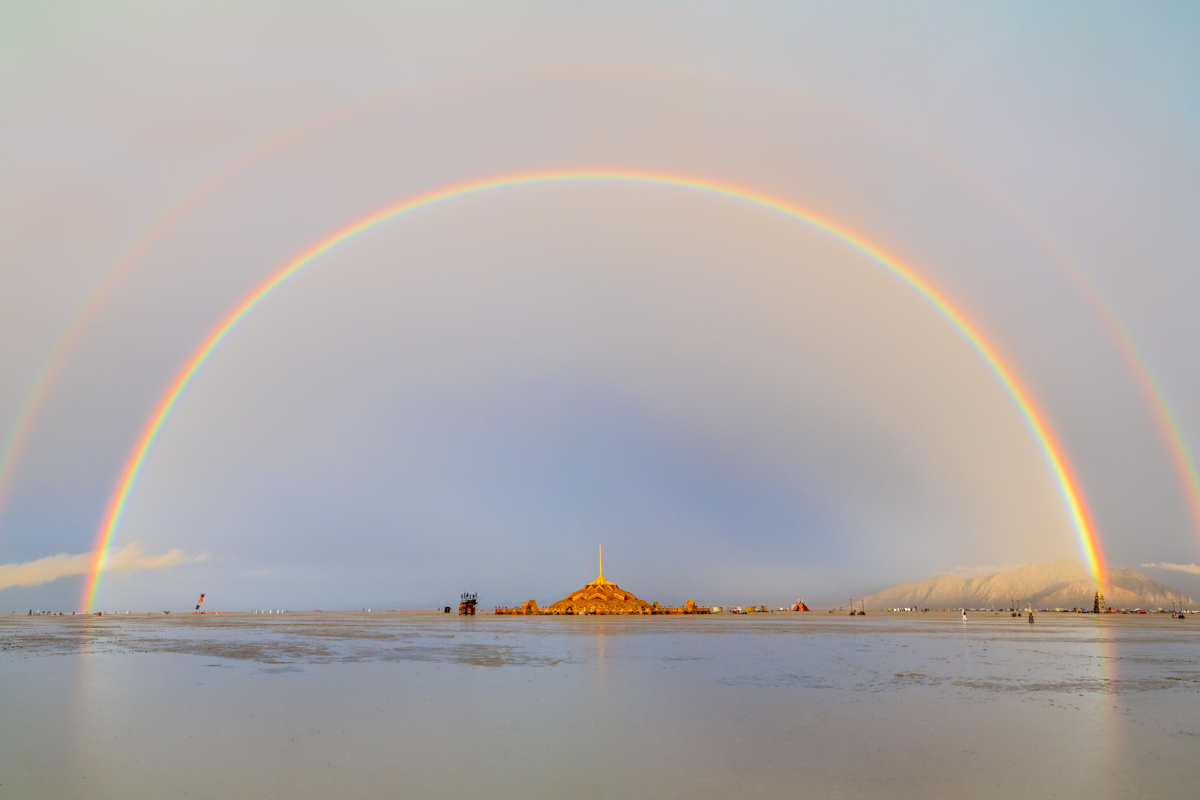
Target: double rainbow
1052, 451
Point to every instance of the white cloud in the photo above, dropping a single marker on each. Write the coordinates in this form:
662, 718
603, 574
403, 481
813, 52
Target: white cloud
64, 565
1191, 568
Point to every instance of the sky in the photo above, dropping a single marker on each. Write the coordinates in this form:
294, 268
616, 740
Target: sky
473, 396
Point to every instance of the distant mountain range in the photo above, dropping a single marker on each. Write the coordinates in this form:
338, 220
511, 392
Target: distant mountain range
1057, 584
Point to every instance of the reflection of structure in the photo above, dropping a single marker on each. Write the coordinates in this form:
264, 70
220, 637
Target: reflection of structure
467, 606
601, 597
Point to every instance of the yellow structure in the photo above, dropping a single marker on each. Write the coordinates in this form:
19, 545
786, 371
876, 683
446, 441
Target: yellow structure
601, 596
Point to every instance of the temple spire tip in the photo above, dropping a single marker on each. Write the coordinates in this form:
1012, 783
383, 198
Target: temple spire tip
600, 579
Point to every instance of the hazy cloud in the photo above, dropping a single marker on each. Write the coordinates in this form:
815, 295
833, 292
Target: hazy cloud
982, 569
64, 565
1190, 568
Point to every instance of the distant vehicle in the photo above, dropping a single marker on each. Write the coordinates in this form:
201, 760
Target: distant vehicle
467, 606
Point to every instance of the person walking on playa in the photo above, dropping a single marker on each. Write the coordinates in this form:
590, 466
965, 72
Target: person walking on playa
964, 615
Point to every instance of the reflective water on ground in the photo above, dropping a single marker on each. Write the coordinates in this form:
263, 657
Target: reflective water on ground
428, 705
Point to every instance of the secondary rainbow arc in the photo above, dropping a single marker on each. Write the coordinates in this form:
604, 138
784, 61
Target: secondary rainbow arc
1051, 448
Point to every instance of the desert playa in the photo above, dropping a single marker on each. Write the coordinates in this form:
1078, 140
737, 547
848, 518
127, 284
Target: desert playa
783, 704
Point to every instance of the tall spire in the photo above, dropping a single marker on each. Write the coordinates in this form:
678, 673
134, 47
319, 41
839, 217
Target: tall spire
600, 579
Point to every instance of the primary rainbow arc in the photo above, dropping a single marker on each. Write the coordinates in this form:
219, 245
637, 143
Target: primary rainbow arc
1052, 451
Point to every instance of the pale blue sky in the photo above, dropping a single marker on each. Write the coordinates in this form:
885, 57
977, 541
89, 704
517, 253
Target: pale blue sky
473, 397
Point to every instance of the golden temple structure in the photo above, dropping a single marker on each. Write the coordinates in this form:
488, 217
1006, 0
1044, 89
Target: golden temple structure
598, 597
601, 597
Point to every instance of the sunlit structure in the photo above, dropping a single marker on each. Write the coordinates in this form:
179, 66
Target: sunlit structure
466, 608
600, 597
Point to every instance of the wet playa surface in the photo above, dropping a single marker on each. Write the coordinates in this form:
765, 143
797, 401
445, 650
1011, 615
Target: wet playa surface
428, 705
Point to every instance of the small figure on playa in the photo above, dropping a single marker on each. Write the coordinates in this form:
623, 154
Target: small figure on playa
964, 615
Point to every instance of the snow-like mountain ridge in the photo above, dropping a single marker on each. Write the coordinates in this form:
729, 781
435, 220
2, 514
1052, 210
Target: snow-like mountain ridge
1055, 584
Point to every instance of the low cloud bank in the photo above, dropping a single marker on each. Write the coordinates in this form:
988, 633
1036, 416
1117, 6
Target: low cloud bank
64, 565
982, 570
1190, 568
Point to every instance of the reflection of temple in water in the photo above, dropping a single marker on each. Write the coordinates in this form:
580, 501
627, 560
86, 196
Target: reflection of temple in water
601, 597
